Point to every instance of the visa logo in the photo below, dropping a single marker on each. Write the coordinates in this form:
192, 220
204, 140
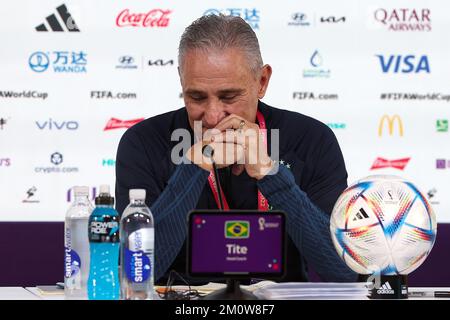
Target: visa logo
404, 64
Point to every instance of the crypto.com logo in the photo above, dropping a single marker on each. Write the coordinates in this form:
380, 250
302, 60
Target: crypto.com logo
249, 138
391, 124
56, 158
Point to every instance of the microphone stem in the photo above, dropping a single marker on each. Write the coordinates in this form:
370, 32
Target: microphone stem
219, 188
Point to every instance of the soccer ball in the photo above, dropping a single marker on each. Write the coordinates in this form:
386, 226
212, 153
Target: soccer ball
383, 224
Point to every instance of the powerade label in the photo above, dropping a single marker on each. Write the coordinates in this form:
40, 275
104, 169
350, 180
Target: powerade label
138, 266
72, 263
104, 229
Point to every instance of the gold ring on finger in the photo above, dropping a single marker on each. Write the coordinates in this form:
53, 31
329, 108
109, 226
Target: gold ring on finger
241, 126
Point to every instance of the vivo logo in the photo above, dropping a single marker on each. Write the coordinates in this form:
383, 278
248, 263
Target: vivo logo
55, 125
404, 64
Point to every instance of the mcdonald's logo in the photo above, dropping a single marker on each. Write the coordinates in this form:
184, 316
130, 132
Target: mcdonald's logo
390, 122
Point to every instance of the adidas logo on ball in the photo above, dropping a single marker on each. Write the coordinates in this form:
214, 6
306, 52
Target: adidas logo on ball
360, 215
385, 289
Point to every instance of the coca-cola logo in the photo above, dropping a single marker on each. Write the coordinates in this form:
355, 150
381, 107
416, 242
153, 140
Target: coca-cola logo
155, 18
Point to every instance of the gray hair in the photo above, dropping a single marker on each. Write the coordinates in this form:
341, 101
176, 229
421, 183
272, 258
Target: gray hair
219, 32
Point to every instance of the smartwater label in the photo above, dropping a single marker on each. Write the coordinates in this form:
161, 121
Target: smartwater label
72, 263
138, 265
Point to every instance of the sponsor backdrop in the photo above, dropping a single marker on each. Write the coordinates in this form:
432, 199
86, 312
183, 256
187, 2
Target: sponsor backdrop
76, 74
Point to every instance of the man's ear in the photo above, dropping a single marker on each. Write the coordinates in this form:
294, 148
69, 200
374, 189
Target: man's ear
264, 79
179, 73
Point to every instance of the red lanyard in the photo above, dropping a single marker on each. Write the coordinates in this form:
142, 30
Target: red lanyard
263, 205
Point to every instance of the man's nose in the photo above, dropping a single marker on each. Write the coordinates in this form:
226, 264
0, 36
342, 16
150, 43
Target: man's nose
213, 115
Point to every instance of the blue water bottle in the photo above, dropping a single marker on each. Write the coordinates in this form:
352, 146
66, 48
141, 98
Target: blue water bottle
104, 242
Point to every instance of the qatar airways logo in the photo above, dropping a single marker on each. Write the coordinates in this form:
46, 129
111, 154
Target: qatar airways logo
404, 19
155, 18
381, 163
115, 123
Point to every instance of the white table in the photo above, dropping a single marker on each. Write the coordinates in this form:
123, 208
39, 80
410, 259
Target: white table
32, 293
428, 290
16, 293
39, 295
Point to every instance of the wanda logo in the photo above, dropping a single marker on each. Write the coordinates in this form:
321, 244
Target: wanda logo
155, 18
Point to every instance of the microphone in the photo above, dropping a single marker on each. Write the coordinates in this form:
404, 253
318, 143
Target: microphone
208, 152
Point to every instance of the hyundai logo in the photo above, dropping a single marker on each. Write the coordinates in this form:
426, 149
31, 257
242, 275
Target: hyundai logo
126, 60
299, 17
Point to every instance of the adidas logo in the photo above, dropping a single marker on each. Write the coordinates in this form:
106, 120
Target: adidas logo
360, 215
385, 289
57, 20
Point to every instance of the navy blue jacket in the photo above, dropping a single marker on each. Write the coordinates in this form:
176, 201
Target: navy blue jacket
310, 178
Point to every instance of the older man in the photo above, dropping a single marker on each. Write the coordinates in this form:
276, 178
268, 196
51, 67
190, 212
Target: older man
223, 80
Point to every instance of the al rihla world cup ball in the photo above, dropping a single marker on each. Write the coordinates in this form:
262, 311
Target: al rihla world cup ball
383, 224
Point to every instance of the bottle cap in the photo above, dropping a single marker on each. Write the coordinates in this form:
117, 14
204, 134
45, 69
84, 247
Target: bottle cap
80, 190
104, 200
104, 188
104, 197
137, 194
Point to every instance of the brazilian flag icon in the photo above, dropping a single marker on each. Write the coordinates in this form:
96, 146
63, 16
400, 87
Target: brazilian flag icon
237, 229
